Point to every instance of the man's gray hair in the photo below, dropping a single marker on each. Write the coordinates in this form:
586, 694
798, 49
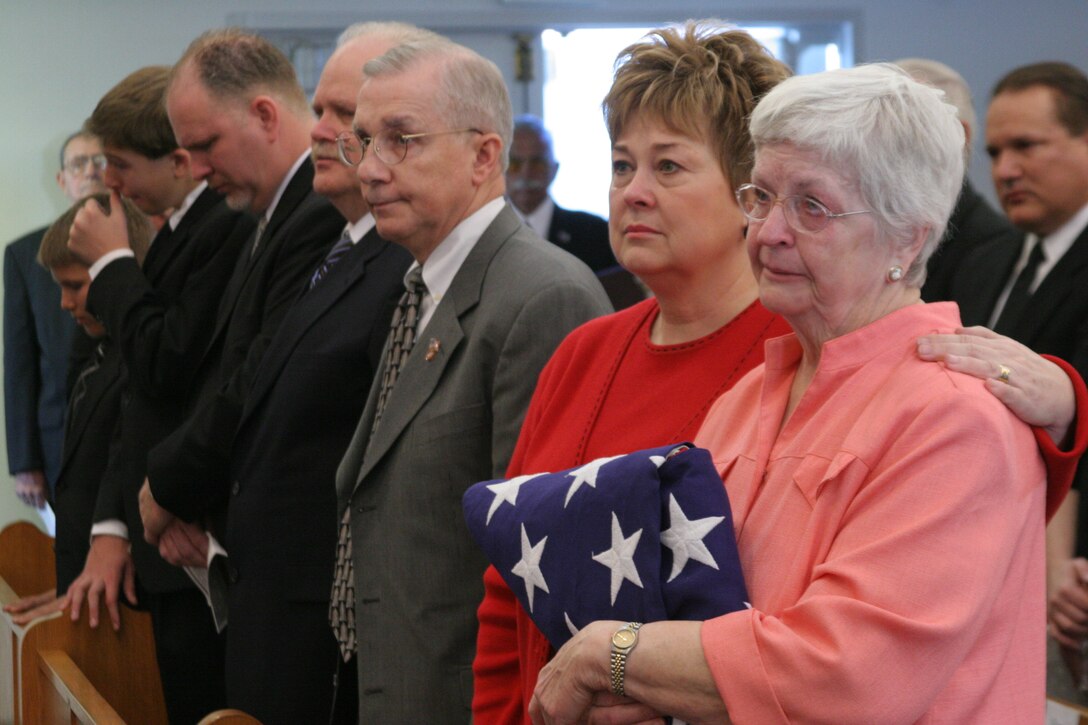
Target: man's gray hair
472, 93
894, 136
395, 32
940, 76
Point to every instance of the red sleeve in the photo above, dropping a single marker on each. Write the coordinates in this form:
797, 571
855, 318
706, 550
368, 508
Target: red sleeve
497, 690
1062, 465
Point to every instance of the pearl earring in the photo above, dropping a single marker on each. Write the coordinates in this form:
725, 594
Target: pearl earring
895, 273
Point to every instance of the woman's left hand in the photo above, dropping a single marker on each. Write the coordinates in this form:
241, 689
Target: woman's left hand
1035, 389
575, 686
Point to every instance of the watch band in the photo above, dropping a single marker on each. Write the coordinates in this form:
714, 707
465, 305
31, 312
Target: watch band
623, 642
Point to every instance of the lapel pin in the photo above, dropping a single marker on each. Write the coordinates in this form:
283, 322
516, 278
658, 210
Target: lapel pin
432, 349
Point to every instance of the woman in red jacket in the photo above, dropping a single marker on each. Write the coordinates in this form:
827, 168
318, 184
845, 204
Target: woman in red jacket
677, 117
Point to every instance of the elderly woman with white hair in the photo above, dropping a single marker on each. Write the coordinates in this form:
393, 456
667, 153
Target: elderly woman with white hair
888, 512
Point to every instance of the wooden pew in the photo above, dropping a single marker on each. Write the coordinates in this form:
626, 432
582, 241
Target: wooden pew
229, 717
68, 696
26, 567
119, 666
26, 559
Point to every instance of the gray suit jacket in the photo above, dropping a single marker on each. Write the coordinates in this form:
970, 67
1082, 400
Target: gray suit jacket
451, 421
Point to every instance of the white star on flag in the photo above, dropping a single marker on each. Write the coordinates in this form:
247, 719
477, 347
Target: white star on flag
685, 538
529, 566
587, 474
657, 460
507, 491
621, 557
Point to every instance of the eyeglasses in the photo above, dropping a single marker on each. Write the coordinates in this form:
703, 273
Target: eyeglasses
77, 165
802, 213
389, 146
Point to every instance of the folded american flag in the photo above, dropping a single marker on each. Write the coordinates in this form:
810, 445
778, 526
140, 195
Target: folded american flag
640, 537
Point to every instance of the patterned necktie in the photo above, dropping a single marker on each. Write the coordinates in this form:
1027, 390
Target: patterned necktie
401, 337
342, 247
1020, 294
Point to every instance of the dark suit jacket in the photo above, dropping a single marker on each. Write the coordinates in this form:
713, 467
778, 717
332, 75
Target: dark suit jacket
37, 337
1056, 320
302, 229
90, 427
451, 420
161, 318
973, 223
586, 236
281, 527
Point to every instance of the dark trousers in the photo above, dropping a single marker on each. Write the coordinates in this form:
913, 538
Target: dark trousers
189, 652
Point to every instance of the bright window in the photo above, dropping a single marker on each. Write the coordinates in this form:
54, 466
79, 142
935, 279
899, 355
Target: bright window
578, 69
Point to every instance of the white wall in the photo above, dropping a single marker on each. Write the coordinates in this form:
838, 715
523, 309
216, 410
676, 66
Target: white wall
58, 56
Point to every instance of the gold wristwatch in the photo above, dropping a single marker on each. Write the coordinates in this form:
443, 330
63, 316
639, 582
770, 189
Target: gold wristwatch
623, 641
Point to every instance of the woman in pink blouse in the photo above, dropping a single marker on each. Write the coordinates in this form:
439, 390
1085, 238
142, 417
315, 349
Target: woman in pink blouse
888, 511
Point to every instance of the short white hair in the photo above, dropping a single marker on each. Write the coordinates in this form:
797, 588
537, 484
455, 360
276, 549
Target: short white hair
894, 136
472, 91
393, 31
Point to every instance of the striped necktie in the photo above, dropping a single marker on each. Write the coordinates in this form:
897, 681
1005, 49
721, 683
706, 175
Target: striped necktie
402, 336
342, 247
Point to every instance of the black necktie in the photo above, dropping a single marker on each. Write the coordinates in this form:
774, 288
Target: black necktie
1020, 294
402, 336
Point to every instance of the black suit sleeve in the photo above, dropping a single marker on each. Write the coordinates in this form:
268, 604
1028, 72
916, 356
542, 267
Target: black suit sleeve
22, 375
160, 341
189, 471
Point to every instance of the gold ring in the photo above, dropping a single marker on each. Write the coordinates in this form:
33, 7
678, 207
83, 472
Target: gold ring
1003, 376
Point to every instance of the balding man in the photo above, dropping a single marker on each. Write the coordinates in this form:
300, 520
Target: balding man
973, 222
485, 303
237, 109
298, 417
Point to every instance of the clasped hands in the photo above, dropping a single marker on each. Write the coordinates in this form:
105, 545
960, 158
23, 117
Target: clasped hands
179, 542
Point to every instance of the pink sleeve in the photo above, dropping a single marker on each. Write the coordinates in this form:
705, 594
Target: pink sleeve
934, 563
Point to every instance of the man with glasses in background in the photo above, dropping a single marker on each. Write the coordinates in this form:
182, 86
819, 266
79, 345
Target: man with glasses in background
530, 174
38, 339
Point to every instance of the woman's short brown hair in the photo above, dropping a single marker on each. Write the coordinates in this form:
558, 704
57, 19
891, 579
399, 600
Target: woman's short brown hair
54, 251
702, 80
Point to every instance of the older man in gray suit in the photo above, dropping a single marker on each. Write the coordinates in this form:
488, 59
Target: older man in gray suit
486, 303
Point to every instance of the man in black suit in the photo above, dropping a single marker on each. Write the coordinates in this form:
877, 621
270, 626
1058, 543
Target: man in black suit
160, 317
531, 172
38, 338
1033, 287
298, 417
237, 108
973, 222
93, 409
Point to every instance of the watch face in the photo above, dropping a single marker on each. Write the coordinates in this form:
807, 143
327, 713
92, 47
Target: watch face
623, 638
